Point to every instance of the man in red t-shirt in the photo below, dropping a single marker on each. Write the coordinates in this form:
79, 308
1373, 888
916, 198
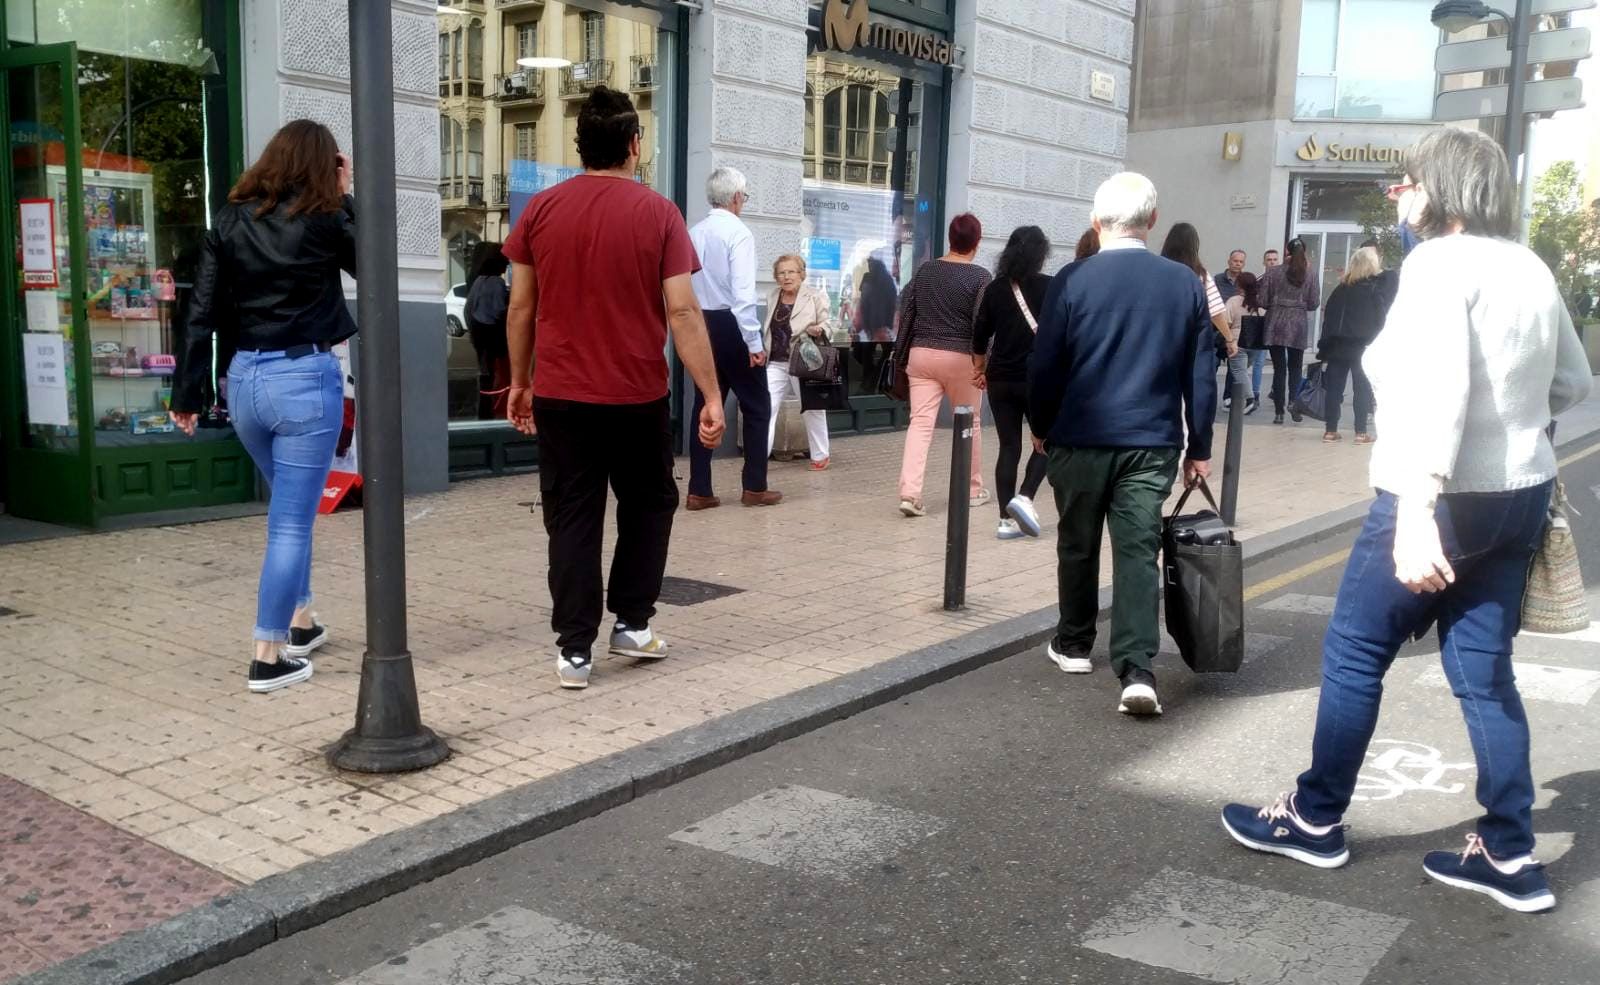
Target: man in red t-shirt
601, 265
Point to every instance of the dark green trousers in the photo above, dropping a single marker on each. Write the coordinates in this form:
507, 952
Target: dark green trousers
1125, 489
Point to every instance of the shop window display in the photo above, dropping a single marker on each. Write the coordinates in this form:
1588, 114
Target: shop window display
870, 212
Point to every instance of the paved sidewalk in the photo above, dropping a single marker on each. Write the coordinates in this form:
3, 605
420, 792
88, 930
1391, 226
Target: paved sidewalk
125, 702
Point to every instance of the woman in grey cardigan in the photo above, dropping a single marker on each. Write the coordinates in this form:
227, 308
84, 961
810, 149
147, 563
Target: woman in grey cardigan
1476, 356
1289, 293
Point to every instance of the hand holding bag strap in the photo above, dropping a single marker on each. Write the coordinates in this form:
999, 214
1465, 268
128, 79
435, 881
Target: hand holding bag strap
1205, 490
1022, 302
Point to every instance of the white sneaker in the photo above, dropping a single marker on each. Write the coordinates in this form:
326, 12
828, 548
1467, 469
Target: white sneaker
641, 643
1008, 530
1022, 510
1071, 662
911, 508
1139, 694
572, 669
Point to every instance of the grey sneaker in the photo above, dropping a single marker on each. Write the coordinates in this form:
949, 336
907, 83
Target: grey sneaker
641, 642
572, 668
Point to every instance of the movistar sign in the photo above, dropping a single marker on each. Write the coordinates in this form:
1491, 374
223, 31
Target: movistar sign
846, 26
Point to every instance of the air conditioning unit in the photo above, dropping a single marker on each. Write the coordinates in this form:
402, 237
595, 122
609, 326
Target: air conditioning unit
516, 84
645, 76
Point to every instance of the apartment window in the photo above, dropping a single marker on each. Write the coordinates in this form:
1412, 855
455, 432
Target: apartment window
475, 51
594, 36
1358, 60
444, 57
526, 141
527, 40
475, 150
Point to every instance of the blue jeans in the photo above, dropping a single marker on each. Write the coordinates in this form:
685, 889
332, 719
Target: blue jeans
1490, 540
288, 413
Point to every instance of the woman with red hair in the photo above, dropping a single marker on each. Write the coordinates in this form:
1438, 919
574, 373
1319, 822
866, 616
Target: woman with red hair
937, 312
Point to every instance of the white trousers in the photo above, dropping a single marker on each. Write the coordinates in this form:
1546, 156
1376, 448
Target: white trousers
780, 385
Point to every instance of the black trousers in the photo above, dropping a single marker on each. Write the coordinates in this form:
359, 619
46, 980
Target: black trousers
583, 449
1008, 403
1334, 373
749, 386
1285, 375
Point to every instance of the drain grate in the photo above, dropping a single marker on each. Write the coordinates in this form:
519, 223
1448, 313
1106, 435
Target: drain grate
687, 591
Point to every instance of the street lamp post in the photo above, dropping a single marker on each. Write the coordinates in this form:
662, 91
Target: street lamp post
1458, 15
388, 736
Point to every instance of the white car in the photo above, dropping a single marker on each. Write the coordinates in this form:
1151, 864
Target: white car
455, 311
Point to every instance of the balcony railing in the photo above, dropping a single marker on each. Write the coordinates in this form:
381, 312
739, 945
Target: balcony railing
461, 193
513, 4
646, 172
642, 77
519, 87
582, 78
499, 191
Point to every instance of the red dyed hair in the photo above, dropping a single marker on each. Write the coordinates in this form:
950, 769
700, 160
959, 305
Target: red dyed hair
965, 233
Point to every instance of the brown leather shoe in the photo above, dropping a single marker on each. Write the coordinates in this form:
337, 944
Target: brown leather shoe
768, 498
695, 504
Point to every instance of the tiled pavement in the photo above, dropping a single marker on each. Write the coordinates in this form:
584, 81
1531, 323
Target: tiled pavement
128, 702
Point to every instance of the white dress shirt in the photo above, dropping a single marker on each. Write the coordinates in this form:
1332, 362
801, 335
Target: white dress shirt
727, 277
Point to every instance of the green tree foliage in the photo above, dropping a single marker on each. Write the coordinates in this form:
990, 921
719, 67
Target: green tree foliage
1565, 232
1377, 217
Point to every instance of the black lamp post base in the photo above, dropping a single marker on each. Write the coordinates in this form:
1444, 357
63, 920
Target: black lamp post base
365, 754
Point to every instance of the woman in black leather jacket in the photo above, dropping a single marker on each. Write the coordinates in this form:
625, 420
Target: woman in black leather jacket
268, 288
1352, 318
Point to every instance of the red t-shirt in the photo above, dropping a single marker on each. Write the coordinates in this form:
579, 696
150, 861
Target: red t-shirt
600, 248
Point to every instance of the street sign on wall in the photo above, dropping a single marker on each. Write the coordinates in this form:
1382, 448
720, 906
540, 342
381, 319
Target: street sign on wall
1548, 96
1482, 55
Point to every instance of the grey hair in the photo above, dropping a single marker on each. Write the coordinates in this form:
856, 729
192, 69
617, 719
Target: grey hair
723, 186
1126, 201
1467, 181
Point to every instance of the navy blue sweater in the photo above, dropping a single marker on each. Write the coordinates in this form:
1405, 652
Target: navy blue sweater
1124, 356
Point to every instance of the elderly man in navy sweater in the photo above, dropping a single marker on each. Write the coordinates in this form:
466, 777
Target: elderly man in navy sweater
1123, 360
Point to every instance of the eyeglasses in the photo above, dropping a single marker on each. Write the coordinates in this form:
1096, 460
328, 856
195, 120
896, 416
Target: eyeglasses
1394, 192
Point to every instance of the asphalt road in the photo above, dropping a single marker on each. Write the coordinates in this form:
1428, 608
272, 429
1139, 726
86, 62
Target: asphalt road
1010, 826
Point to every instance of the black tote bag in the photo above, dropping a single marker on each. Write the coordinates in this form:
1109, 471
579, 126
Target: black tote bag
828, 394
1202, 568
1312, 398
1253, 332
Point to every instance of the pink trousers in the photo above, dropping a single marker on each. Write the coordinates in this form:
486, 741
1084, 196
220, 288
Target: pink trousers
935, 374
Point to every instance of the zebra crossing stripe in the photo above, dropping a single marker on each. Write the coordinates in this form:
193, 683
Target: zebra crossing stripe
518, 945
1310, 605
1535, 682
1243, 935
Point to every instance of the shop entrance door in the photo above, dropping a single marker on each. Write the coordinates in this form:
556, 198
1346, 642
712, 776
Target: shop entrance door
47, 406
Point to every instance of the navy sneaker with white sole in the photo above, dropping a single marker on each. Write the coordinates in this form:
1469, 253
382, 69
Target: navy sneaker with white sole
1524, 889
1279, 830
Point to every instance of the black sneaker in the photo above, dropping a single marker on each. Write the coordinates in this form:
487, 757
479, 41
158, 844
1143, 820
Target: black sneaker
1295, 415
287, 670
1251, 406
1139, 693
303, 641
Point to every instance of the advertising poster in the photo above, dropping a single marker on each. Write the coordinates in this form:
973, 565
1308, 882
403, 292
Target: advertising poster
529, 178
854, 244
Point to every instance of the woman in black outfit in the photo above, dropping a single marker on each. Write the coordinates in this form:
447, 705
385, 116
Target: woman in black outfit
1002, 342
488, 299
1354, 317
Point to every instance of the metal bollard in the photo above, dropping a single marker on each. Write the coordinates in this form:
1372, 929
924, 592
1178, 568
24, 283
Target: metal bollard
1230, 457
955, 536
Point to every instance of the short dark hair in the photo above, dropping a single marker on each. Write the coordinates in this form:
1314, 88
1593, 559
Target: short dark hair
607, 124
1024, 254
1468, 181
488, 260
966, 232
1268, 253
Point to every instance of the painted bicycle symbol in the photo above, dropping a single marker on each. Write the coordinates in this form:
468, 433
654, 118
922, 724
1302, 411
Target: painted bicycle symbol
1396, 767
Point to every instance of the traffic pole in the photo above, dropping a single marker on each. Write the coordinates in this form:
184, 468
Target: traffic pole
1231, 456
388, 736
956, 526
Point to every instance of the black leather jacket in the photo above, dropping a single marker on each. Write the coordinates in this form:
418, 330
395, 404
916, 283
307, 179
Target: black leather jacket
264, 283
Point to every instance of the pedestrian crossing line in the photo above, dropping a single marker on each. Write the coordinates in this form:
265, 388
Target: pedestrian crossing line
1310, 605
1537, 682
1591, 634
1293, 575
1243, 935
1578, 456
519, 945
812, 831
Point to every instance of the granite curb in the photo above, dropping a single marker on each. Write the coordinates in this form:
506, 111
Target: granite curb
281, 905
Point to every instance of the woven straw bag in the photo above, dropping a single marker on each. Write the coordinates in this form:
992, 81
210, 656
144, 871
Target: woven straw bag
1555, 601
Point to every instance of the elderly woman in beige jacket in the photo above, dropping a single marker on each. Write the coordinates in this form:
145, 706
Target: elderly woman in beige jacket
791, 309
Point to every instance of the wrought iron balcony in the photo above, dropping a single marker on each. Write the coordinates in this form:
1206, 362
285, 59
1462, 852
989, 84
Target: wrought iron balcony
642, 78
524, 86
582, 78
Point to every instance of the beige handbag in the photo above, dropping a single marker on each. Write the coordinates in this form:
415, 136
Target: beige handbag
1555, 601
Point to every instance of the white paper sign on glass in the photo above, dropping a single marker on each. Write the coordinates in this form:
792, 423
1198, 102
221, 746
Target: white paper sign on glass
44, 369
38, 224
